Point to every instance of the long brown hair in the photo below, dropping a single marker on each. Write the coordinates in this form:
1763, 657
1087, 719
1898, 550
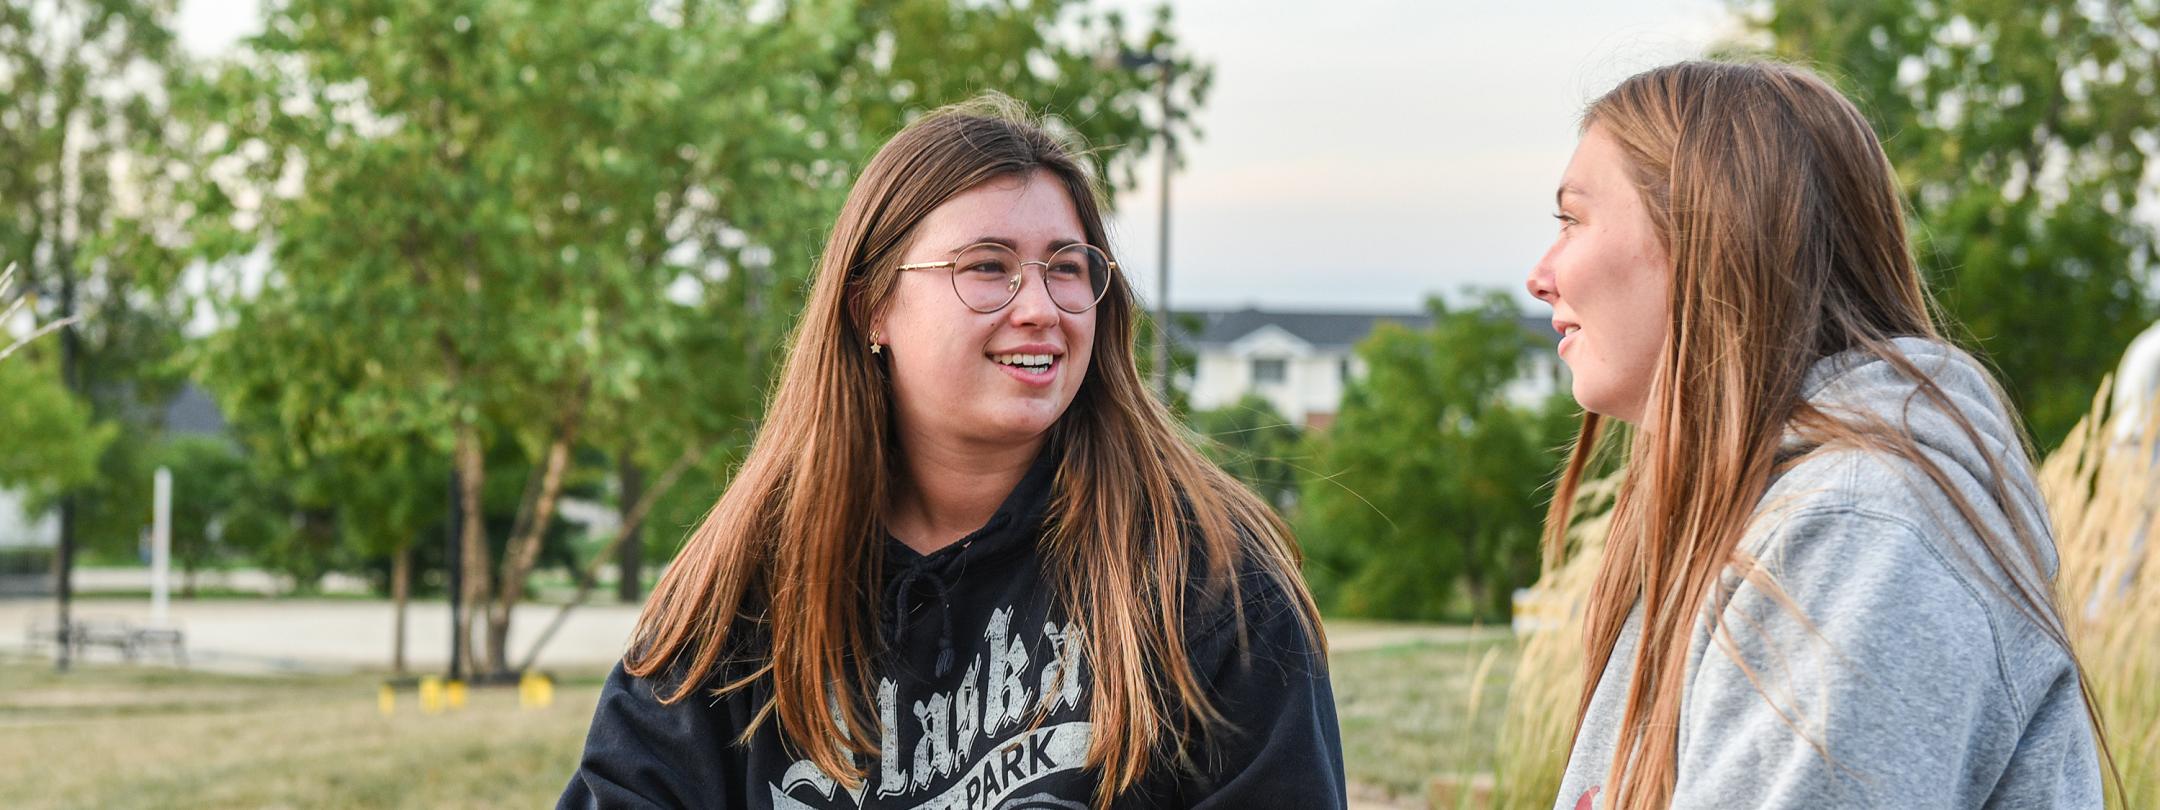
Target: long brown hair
1134, 507
1781, 218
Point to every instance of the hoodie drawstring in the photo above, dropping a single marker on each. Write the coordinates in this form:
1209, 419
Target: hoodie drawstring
903, 586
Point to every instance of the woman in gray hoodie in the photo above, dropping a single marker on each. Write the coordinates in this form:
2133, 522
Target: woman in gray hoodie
1817, 485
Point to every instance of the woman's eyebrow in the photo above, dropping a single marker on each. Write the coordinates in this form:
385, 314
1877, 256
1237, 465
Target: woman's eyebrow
1053, 245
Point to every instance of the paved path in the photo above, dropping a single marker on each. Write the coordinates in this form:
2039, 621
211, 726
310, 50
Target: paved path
1355, 636
332, 635
336, 635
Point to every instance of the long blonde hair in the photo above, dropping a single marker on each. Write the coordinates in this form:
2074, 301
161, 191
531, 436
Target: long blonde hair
1134, 507
1782, 220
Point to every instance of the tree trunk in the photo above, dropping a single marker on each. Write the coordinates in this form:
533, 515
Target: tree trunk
524, 547
472, 471
634, 519
630, 560
1475, 587
400, 581
319, 529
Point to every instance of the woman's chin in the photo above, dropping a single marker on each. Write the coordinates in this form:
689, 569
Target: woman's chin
1018, 424
1604, 403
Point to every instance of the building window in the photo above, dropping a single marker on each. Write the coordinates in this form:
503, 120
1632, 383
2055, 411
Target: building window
1346, 369
1269, 370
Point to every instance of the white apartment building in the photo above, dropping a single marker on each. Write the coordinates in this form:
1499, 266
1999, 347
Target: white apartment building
1302, 361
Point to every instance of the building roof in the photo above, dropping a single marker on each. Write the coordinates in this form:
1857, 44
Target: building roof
1326, 330
192, 411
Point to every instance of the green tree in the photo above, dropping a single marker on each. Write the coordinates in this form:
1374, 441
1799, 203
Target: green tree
2020, 131
1427, 497
49, 443
514, 225
1255, 443
82, 182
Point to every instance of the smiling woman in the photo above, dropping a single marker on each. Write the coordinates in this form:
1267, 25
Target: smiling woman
983, 350
1615, 271
970, 561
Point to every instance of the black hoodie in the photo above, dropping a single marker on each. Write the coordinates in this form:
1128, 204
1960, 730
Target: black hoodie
976, 640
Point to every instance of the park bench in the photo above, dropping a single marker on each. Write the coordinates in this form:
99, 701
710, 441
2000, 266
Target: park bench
170, 640
132, 641
43, 633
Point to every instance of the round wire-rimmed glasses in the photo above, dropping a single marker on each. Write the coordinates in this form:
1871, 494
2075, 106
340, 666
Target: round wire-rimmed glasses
988, 275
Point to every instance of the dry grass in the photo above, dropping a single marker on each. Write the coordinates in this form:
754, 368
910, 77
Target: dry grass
131, 737
1540, 719
1419, 712
2105, 498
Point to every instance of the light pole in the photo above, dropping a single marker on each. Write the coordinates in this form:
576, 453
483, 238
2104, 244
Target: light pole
1166, 69
71, 376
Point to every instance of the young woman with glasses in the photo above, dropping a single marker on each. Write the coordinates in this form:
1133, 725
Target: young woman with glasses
1827, 580
970, 562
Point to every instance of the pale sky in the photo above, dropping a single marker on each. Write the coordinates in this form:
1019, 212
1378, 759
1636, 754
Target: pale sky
1367, 153
1357, 153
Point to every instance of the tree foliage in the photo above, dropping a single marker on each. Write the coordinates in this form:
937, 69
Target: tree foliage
49, 443
1430, 486
1252, 441
83, 170
500, 231
2021, 131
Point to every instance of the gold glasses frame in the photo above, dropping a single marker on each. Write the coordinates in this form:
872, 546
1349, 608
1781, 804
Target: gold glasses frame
1018, 279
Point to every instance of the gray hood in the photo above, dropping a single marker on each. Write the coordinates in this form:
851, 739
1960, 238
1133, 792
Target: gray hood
1885, 664
1864, 385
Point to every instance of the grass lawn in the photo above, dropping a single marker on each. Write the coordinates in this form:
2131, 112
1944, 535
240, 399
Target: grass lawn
1407, 717
112, 736
115, 736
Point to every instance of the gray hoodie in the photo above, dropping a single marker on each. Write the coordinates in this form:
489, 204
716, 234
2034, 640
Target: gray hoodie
1922, 681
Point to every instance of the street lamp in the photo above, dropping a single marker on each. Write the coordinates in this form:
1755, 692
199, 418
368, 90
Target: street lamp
70, 346
1166, 68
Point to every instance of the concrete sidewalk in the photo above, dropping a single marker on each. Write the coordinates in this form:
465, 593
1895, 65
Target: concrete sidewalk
1358, 635
338, 635
335, 635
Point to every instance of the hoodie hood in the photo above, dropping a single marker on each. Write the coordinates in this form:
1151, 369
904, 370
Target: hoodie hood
1858, 384
1875, 652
